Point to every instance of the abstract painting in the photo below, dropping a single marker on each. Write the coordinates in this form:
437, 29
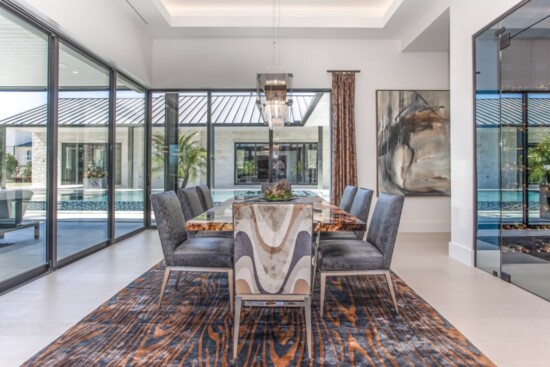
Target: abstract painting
413, 141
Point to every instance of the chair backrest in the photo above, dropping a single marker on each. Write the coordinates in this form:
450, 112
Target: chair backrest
361, 207
170, 222
272, 248
190, 202
347, 197
206, 197
384, 224
13, 204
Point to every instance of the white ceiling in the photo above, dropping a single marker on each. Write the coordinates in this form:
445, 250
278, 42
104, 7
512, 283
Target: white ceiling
373, 19
261, 13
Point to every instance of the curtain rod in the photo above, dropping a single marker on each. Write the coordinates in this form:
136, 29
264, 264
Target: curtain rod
343, 71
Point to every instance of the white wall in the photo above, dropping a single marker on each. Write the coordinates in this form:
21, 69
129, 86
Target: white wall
233, 63
467, 18
105, 27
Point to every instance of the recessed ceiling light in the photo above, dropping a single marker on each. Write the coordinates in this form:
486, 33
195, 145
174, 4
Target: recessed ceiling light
75, 72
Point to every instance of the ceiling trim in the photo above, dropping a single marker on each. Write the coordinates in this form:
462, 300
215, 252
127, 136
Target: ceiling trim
354, 17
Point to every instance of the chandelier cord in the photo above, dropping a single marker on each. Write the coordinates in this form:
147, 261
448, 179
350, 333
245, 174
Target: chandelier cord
274, 40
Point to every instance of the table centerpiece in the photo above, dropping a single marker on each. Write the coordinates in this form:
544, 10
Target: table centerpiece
282, 191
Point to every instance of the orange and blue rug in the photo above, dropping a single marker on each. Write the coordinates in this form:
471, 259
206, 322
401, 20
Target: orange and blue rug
195, 326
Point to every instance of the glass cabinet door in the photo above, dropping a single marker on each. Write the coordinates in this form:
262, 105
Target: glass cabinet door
513, 148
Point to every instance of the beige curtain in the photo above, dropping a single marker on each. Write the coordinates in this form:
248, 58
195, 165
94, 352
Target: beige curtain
344, 159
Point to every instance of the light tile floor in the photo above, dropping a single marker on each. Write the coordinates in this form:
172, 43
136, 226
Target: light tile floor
511, 326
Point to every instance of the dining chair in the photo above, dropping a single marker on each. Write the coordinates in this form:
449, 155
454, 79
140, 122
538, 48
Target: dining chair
360, 209
192, 206
182, 253
205, 196
273, 245
359, 257
190, 202
347, 197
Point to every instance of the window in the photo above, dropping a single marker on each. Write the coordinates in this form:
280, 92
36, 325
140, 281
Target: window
78, 158
294, 162
23, 98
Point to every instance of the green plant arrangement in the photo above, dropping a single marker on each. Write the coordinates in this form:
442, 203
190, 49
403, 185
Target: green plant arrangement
539, 161
296, 170
95, 171
27, 172
282, 191
10, 164
192, 158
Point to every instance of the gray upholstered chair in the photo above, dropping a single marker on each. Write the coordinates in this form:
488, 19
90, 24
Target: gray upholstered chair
205, 197
358, 257
273, 258
360, 209
13, 204
347, 197
182, 253
190, 202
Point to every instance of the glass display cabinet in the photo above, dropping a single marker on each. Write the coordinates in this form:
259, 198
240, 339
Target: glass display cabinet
512, 129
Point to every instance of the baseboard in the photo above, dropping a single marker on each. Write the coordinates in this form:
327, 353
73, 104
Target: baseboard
411, 226
461, 253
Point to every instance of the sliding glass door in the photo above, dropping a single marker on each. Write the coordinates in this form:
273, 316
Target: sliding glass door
129, 158
23, 148
83, 153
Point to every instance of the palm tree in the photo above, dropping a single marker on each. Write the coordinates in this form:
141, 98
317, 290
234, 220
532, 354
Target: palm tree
192, 157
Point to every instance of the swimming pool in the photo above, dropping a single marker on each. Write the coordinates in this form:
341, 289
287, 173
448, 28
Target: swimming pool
507, 196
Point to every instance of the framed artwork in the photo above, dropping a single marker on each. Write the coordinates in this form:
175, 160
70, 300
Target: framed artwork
413, 142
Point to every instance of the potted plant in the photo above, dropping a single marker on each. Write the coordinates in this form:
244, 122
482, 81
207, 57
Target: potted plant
95, 177
191, 156
539, 174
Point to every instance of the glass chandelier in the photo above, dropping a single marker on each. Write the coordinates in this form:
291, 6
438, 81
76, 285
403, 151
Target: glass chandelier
273, 98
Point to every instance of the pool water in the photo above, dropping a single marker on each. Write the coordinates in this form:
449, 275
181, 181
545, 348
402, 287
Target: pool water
507, 196
86, 195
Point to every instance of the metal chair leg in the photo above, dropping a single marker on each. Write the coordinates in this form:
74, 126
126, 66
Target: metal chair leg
314, 261
230, 284
390, 285
309, 336
238, 304
322, 286
164, 283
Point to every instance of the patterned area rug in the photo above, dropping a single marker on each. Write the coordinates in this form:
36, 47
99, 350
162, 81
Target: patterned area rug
194, 328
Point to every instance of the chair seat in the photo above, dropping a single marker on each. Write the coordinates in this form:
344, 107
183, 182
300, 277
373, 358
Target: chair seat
204, 252
214, 234
349, 255
338, 236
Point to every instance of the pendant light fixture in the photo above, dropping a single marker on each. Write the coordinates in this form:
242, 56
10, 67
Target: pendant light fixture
273, 98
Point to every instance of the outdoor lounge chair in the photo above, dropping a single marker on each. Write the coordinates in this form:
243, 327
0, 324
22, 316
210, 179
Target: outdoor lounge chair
13, 204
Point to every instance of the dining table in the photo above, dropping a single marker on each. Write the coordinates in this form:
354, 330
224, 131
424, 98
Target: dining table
326, 217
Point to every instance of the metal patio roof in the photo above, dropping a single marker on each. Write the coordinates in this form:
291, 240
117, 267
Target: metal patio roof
510, 111
227, 109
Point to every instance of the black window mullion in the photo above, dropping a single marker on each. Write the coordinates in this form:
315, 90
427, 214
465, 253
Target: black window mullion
148, 152
112, 158
52, 141
209, 141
